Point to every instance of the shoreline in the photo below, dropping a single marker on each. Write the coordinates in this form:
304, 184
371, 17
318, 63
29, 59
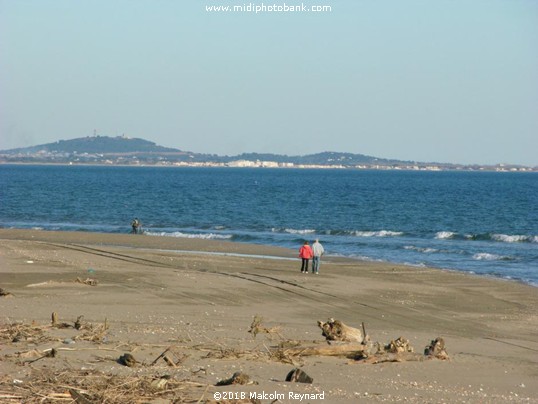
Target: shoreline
220, 245
497, 168
198, 298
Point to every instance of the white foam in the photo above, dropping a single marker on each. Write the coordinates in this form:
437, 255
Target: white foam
425, 250
303, 231
509, 239
208, 236
487, 257
380, 233
443, 235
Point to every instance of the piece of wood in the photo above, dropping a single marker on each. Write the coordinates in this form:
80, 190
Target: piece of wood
237, 378
335, 330
299, 376
345, 350
163, 353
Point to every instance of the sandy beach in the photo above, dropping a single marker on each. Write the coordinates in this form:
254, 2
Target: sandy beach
183, 309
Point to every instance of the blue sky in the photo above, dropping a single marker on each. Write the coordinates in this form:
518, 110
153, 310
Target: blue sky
447, 81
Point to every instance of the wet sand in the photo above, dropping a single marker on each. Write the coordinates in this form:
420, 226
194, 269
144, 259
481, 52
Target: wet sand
199, 297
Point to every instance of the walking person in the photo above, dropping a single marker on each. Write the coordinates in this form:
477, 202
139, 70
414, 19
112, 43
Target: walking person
317, 252
305, 253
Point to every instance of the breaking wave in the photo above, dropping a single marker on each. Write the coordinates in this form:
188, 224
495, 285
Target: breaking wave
293, 231
490, 257
505, 238
206, 236
421, 249
380, 233
444, 235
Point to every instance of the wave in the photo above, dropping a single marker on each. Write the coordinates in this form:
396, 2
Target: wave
380, 233
445, 235
421, 249
355, 233
208, 236
491, 257
505, 238
293, 231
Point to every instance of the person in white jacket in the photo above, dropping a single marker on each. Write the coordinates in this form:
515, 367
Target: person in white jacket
318, 251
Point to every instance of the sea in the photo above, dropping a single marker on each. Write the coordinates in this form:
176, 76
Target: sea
484, 223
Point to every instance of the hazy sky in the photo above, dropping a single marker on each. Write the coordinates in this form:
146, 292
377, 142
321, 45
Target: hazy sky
448, 81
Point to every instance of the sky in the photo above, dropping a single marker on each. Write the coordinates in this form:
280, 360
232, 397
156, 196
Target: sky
452, 81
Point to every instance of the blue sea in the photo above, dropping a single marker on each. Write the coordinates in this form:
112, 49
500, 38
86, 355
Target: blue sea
479, 222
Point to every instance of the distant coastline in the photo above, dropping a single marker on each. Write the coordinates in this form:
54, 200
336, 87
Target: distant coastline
273, 165
132, 152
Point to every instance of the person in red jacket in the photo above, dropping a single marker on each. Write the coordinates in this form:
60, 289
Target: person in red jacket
305, 253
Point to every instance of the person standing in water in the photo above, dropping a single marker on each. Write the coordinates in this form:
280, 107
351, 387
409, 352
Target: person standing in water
305, 253
135, 224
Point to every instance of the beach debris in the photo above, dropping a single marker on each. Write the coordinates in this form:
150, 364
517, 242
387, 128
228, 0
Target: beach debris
352, 343
299, 376
127, 360
167, 355
398, 345
256, 328
162, 355
46, 354
350, 350
5, 293
436, 349
78, 323
160, 383
93, 333
335, 330
56, 324
18, 332
34, 353
93, 386
237, 378
87, 281
79, 397
400, 350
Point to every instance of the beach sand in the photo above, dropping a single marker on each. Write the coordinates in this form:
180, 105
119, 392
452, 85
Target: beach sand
199, 297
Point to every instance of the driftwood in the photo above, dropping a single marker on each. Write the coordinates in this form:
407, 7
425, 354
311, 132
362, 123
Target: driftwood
87, 281
160, 383
344, 350
398, 345
256, 328
56, 324
297, 375
436, 349
237, 378
335, 330
78, 323
127, 360
392, 357
359, 346
48, 354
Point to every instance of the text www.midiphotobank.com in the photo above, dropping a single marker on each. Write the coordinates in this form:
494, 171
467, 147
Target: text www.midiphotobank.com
258, 8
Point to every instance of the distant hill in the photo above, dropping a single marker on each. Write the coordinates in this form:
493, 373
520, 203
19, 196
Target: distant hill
121, 150
121, 145
95, 144
324, 158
